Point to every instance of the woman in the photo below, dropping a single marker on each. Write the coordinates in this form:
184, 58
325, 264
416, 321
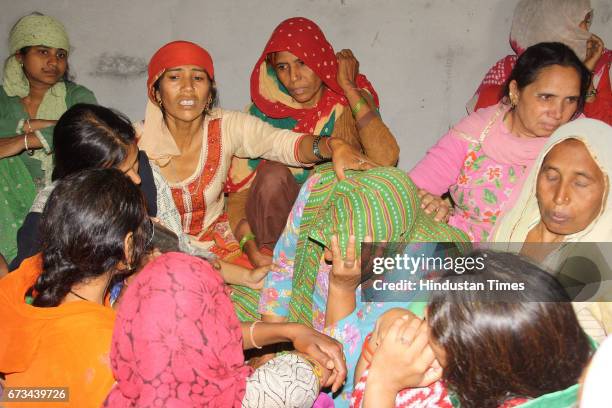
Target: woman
484, 159
565, 21
35, 92
529, 351
566, 199
92, 136
299, 83
177, 342
381, 204
57, 325
193, 142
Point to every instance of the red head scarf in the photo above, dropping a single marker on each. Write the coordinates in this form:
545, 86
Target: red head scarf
177, 341
304, 39
174, 54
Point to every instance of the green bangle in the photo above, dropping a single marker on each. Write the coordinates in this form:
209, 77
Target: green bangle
355, 109
246, 238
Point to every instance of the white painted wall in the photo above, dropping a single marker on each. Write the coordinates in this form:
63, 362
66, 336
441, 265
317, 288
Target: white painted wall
425, 57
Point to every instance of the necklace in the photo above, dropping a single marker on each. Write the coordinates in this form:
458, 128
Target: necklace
79, 296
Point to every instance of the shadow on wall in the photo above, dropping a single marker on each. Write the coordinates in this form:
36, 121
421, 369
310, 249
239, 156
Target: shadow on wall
118, 66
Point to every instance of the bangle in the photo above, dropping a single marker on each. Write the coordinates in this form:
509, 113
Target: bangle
246, 238
25, 142
355, 109
315, 147
251, 327
29, 125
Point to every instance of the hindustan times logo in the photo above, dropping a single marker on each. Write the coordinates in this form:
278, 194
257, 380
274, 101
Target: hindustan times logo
414, 264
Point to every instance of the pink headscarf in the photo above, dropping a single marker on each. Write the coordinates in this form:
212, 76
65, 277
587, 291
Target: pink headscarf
177, 341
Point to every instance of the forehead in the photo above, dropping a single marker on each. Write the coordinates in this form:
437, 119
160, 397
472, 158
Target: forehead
572, 154
558, 77
185, 68
283, 56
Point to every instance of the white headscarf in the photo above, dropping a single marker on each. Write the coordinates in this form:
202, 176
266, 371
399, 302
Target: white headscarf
538, 21
513, 228
597, 137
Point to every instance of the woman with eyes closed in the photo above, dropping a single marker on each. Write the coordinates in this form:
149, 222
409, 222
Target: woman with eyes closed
35, 92
300, 83
484, 159
192, 142
566, 199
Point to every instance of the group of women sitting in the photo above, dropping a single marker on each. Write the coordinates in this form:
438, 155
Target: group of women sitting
146, 257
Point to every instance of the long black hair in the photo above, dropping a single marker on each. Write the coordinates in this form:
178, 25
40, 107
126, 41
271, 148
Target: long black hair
90, 136
83, 228
543, 55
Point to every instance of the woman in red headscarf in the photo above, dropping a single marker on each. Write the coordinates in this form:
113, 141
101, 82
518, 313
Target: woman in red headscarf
299, 83
193, 142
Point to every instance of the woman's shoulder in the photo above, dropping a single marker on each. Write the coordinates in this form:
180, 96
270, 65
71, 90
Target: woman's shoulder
471, 126
76, 93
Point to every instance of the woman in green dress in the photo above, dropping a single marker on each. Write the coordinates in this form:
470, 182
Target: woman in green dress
35, 92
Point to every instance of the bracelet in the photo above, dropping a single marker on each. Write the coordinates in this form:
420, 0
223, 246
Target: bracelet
246, 238
355, 109
315, 147
25, 142
251, 327
29, 125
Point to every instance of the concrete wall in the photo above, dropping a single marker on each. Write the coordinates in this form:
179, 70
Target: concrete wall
425, 57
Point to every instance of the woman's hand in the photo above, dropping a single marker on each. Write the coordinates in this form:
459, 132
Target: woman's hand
405, 347
255, 278
325, 350
348, 69
346, 271
344, 157
595, 49
435, 204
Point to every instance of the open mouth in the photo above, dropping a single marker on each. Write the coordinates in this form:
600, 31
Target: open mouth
187, 102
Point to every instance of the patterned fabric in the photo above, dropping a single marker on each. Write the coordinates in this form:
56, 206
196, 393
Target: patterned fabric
483, 165
177, 341
298, 265
285, 381
433, 396
272, 102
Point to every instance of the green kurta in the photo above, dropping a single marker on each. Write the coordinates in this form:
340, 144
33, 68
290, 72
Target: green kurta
21, 176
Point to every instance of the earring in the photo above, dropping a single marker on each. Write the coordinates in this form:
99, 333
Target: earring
159, 102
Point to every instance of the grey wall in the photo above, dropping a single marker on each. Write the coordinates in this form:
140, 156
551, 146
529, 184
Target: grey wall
425, 57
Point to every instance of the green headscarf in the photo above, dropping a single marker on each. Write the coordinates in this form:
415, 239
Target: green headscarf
381, 203
29, 31
33, 30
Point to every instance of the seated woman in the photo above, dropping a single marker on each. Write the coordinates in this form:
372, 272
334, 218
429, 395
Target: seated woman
299, 83
177, 342
566, 198
565, 21
381, 204
92, 136
467, 333
484, 160
56, 324
36, 89
193, 142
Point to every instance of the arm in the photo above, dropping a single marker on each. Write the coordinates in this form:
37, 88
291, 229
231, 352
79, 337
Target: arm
440, 167
377, 141
343, 282
325, 350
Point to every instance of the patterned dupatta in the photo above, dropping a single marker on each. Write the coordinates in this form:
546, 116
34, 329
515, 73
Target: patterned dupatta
272, 102
381, 203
